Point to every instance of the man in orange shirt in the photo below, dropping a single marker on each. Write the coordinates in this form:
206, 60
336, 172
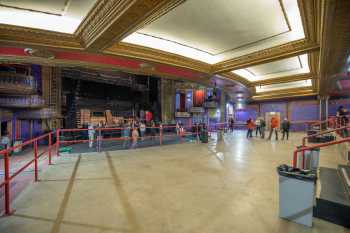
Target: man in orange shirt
274, 127
250, 126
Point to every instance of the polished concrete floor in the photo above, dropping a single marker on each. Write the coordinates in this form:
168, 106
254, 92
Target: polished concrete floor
230, 186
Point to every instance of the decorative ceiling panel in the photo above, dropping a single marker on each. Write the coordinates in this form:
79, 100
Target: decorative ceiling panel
53, 15
283, 86
194, 29
285, 67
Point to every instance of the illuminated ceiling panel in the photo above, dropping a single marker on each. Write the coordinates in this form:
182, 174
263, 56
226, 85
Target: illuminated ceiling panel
234, 28
285, 67
283, 86
54, 15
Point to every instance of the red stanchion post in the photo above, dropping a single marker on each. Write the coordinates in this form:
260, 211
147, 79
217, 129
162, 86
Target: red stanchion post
7, 184
295, 158
50, 142
58, 142
36, 160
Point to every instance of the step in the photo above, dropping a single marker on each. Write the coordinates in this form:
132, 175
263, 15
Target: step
333, 203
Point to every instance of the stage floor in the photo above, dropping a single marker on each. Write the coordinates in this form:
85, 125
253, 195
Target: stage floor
230, 186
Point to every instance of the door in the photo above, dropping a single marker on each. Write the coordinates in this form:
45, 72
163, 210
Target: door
269, 115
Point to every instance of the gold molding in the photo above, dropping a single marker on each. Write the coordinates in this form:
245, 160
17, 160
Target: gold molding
29, 36
284, 79
157, 56
293, 92
236, 78
111, 21
290, 49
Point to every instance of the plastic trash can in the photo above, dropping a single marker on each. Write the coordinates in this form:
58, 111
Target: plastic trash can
296, 194
311, 159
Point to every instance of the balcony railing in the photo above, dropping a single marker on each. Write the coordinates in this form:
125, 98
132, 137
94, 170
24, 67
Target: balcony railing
33, 101
14, 83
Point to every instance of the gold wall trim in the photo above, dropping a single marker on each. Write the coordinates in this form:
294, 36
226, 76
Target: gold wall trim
111, 21
290, 49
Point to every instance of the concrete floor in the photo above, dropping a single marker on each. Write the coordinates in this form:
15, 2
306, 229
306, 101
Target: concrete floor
231, 187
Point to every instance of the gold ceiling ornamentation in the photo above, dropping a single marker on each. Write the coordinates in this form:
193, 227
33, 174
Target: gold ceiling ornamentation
236, 78
153, 55
111, 21
285, 79
295, 92
266, 55
30, 36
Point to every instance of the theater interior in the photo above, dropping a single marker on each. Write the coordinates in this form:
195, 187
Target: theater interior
171, 116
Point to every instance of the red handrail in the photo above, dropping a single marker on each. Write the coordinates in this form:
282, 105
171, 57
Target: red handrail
8, 178
323, 132
304, 148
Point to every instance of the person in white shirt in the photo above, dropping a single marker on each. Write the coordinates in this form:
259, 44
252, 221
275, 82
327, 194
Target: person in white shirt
5, 140
91, 132
258, 127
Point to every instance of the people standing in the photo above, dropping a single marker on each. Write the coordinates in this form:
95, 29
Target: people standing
231, 124
91, 133
285, 128
342, 119
134, 137
142, 130
250, 127
126, 135
273, 127
262, 127
258, 127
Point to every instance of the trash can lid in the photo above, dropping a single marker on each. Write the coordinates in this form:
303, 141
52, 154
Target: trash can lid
296, 173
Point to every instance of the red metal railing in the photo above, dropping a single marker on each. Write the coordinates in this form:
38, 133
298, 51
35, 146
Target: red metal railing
305, 148
322, 133
8, 177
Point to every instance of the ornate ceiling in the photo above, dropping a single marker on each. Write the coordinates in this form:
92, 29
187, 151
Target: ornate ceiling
271, 48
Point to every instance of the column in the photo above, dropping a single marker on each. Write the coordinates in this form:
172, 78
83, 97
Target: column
222, 106
167, 100
323, 103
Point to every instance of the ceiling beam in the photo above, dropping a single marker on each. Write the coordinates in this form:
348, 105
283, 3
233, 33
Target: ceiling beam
284, 79
236, 78
157, 56
290, 49
294, 92
24, 36
110, 21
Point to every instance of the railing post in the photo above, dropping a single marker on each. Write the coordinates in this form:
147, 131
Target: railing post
50, 142
58, 142
7, 184
197, 133
36, 160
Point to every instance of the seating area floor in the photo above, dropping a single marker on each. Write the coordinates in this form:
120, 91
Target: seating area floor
227, 186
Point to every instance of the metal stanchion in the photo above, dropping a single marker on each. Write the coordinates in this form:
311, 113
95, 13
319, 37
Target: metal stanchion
50, 142
36, 160
7, 184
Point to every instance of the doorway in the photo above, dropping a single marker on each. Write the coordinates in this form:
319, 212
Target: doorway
269, 115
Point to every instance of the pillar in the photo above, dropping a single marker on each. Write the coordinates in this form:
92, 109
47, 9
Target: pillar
323, 103
167, 100
222, 106
51, 92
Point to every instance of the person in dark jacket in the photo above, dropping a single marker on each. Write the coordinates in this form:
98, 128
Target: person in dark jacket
285, 128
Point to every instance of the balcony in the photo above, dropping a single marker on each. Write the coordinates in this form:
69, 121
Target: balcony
33, 101
13, 83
